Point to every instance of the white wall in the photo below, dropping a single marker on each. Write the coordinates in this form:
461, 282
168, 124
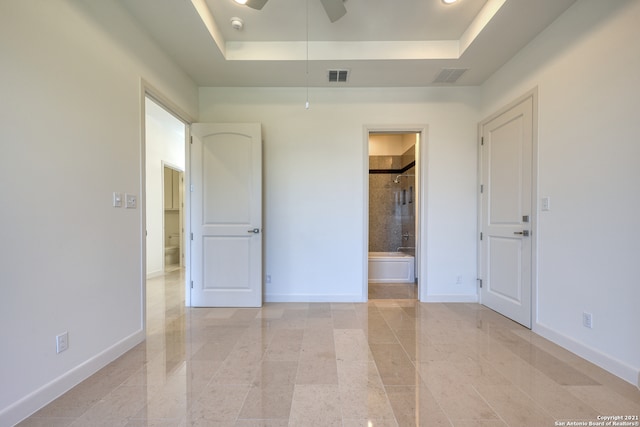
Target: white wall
164, 142
314, 179
390, 144
587, 68
70, 115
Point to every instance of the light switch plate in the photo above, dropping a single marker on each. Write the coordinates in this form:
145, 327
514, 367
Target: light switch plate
130, 201
117, 200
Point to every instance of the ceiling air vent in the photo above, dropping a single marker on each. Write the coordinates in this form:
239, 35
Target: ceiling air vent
449, 75
338, 76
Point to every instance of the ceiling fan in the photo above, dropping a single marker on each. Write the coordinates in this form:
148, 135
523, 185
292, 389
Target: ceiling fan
335, 8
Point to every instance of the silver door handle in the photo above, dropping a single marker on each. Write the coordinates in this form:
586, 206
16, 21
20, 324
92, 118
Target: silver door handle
254, 231
524, 233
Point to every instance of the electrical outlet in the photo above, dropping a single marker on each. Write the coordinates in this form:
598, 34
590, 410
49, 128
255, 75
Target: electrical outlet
62, 342
587, 320
546, 203
130, 201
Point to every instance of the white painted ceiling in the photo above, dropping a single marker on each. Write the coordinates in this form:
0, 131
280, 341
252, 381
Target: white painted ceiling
381, 42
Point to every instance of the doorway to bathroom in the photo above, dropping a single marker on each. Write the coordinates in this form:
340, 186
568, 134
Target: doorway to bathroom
173, 195
393, 213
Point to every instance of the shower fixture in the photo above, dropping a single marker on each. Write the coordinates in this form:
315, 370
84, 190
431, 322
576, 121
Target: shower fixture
397, 180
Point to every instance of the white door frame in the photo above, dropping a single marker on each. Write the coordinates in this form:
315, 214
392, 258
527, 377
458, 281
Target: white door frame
421, 205
533, 94
148, 90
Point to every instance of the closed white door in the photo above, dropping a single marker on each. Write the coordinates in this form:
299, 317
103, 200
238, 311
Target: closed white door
226, 215
506, 212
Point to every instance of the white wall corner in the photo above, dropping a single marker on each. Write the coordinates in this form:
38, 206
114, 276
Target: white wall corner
610, 364
39, 398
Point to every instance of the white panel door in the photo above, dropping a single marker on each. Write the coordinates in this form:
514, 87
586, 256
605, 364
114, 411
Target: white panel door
506, 208
226, 215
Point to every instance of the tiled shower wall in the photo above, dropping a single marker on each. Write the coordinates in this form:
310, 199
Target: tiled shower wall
391, 205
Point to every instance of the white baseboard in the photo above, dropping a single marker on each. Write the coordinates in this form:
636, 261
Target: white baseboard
312, 298
39, 398
608, 363
452, 298
471, 298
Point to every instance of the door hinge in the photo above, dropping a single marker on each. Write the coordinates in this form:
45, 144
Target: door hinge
192, 284
482, 140
191, 188
479, 280
480, 235
191, 140
191, 236
481, 188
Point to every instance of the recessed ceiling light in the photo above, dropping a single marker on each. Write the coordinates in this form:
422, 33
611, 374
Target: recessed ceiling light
443, 1
245, 1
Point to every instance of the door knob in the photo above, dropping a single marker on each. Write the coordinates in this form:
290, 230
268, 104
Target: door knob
255, 231
524, 233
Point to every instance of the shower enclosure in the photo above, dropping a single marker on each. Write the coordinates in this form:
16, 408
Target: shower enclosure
392, 212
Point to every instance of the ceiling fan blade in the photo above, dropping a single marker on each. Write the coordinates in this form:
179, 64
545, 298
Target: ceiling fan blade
256, 4
335, 9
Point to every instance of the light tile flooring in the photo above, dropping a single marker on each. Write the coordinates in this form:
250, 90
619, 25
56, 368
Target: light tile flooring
385, 363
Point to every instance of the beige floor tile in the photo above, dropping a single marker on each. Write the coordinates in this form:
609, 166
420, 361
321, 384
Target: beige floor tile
116, 408
515, 407
416, 406
384, 363
156, 423
46, 422
316, 405
170, 402
285, 345
318, 371
394, 365
270, 312
351, 345
345, 319
394, 291
456, 396
478, 423
369, 422
218, 403
271, 401
362, 394
604, 401
398, 318
319, 323
276, 373
262, 423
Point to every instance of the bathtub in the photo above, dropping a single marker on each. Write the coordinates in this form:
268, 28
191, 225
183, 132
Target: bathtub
391, 267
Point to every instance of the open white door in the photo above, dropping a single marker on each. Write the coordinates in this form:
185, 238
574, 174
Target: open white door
506, 208
226, 215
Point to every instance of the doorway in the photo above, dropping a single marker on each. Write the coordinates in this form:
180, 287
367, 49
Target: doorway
393, 200
164, 146
173, 229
